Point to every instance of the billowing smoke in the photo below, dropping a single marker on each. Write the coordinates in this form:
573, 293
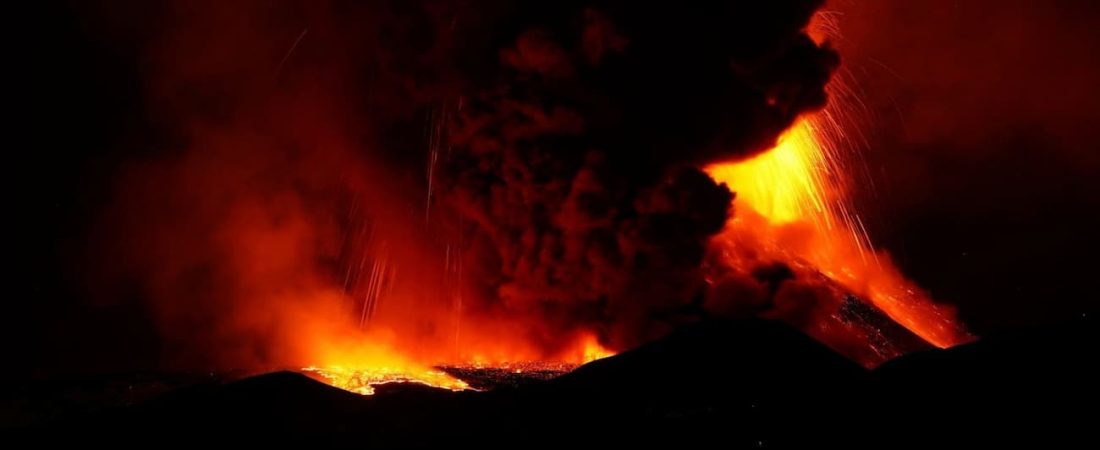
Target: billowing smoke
578, 161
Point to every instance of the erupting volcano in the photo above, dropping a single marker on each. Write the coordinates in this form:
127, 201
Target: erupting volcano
519, 192
595, 223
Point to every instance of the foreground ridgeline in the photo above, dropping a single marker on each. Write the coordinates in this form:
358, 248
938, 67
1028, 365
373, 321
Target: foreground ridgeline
747, 384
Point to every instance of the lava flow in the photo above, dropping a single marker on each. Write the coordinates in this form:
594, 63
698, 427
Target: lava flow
362, 376
362, 380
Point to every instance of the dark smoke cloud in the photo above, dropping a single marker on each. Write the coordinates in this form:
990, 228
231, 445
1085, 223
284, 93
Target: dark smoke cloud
579, 164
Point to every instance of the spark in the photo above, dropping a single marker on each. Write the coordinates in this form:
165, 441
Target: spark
286, 56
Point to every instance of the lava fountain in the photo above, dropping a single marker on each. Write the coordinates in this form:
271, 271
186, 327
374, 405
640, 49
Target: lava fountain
792, 205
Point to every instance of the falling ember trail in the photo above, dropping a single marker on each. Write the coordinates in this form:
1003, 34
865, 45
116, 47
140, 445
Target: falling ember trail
791, 205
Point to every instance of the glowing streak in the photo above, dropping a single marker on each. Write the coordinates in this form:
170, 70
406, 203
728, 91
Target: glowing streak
279, 68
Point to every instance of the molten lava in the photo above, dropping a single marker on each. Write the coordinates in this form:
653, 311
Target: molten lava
362, 380
367, 366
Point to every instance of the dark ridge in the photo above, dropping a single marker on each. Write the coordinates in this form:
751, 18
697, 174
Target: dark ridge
735, 384
1036, 385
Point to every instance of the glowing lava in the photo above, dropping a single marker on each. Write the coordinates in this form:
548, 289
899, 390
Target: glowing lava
360, 371
362, 380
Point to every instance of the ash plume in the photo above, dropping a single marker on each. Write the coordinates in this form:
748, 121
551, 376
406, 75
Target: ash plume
578, 163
